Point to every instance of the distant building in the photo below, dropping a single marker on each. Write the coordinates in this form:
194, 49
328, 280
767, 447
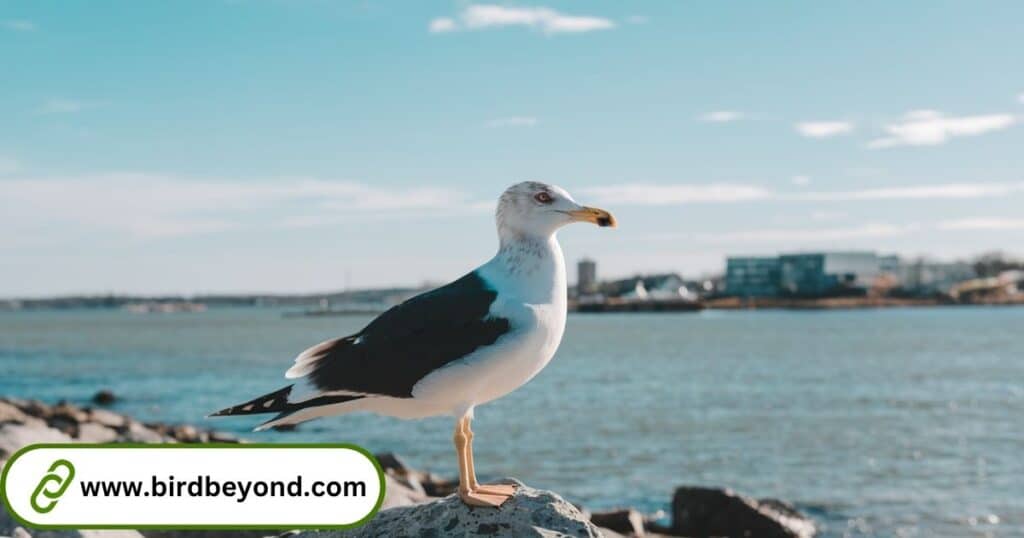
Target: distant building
586, 277
809, 274
889, 264
752, 276
821, 274
660, 287
921, 276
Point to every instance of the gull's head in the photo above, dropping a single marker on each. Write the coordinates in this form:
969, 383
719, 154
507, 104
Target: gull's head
537, 209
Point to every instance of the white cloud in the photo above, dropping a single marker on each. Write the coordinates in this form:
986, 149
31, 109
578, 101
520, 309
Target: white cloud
442, 24
151, 206
809, 235
63, 106
18, 25
1021, 97
547, 20
823, 129
801, 180
918, 192
983, 223
649, 194
672, 194
513, 121
721, 116
931, 128
638, 19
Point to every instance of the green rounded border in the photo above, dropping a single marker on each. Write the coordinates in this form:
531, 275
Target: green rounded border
214, 446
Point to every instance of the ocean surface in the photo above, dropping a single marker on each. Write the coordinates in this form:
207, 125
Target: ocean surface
902, 422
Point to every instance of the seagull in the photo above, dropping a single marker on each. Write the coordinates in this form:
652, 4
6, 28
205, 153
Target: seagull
448, 350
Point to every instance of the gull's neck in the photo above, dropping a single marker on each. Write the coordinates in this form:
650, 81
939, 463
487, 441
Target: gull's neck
529, 266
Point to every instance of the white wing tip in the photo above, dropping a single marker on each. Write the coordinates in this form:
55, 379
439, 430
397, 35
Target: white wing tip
297, 371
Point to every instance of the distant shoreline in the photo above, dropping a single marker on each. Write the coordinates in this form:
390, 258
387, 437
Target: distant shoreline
784, 303
164, 305
836, 303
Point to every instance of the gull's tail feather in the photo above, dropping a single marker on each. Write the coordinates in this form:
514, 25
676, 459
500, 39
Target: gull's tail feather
289, 412
273, 402
337, 405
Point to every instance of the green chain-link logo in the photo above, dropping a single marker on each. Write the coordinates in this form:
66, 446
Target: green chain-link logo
62, 481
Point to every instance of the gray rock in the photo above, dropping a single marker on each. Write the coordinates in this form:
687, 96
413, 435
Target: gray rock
137, 433
88, 534
185, 433
33, 408
10, 413
221, 437
398, 494
91, 432
104, 397
389, 461
624, 521
700, 511
106, 418
420, 481
66, 418
530, 512
15, 436
8, 527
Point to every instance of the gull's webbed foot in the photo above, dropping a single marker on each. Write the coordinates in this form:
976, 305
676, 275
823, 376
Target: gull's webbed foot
477, 498
496, 489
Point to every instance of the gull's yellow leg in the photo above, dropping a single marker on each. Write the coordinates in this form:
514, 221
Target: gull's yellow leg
503, 490
466, 493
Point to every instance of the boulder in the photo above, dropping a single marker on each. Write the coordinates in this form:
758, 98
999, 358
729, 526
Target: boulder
87, 534
66, 418
106, 418
33, 408
389, 461
421, 482
530, 512
137, 433
398, 494
221, 437
15, 436
91, 432
104, 397
698, 512
185, 433
624, 521
10, 413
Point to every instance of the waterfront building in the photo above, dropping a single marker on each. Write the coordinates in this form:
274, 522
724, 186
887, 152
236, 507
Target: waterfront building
659, 287
809, 274
924, 277
819, 274
752, 276
586, 277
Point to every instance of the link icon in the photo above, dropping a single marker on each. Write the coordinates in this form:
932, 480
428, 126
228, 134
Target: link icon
62, 482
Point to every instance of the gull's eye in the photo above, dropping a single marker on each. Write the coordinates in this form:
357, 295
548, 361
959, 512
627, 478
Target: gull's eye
543, 197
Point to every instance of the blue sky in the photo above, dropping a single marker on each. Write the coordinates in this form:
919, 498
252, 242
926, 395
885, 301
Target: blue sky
301, 145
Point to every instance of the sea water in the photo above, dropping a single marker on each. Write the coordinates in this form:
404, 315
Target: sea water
902, 422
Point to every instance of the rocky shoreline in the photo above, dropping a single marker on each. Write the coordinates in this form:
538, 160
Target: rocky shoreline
417, 503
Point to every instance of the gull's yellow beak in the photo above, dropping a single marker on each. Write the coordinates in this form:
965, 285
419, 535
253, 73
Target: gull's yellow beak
597, 216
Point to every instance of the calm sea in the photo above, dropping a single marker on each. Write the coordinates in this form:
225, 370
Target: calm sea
877, 423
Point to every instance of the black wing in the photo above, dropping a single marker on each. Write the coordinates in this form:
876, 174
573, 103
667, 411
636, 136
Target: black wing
411, 340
